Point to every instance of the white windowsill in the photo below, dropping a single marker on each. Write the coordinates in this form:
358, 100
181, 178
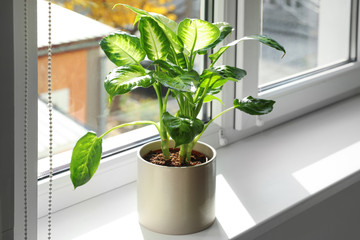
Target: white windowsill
263, 181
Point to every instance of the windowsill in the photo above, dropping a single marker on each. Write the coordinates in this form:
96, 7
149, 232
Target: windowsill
263, 181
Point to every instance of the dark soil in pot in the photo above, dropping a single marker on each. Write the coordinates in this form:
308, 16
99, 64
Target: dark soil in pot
157, 157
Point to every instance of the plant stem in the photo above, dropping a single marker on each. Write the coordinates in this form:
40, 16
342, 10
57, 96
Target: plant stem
131, 124
202, 97
189, 151
165, 100
206, 125
162, 131
183, 152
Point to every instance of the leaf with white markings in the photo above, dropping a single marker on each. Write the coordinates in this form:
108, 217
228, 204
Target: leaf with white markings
186, 82
225, 29
267, 41
153, 40
126, 78
168, 26
197, 34
122, 48
182, 130
254, 106
212, 79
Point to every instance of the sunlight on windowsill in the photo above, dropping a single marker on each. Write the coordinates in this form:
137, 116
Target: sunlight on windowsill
329, 170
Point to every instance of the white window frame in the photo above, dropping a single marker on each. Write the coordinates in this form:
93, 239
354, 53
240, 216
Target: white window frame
293, 100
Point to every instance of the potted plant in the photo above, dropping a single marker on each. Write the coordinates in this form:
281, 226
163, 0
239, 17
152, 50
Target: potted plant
176, 175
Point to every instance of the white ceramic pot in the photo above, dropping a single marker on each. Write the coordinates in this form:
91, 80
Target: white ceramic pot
176, 200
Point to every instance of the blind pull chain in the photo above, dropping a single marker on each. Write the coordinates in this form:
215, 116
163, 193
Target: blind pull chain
26, 70
50, 106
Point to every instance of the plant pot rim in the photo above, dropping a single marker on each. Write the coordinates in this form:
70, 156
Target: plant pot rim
182, 167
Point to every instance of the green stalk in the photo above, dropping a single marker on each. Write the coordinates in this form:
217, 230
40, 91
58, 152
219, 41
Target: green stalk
183, 152
131, 124
189, 151
163, 134
182, 104
165, 100
200, 103
206, 125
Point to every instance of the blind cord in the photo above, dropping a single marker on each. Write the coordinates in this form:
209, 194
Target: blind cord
26, 68
50, 106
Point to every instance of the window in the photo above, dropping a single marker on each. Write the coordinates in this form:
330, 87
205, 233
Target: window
79, 68
328, 75
302, 94
81, 104
315, 37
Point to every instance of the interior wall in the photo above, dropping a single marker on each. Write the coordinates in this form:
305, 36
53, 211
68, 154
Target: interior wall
7, 121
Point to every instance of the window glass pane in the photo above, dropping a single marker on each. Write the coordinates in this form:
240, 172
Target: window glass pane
315, 34
79, 68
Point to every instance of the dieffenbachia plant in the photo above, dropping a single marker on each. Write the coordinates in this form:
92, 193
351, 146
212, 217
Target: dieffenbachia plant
172, 48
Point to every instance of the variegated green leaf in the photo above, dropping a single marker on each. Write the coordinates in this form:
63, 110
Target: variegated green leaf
182, 130
169, 67
172, 25
197, 34
225, 29
85, 159
168, 26
125, 78
267, 41
212, 79
230, 72
186, 82
152, 39
254, 106
122, 48
180, 60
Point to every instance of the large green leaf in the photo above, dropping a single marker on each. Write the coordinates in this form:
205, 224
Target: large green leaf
225, 29
267, 41
254, 106
169, 26
212, 79
215, 56
85, 159
122, 48
125, 78
182, 130
152, 39
186, 82
180, 60
197, 34
169, 67
230, 72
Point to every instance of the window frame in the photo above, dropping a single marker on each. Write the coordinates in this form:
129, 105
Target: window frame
293, 100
